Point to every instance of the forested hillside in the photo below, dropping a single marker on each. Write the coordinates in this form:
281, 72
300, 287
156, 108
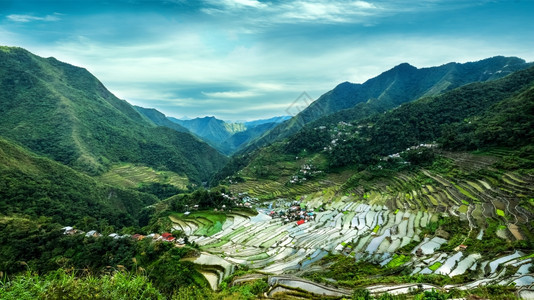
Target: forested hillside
401, 84
225, 136
464, 118
39, 187
64, 112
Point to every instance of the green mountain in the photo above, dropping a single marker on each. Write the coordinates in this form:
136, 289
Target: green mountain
274, 120
475, 116
228, 137
65, 113
37, 186
159, 119
458, 119
403, 83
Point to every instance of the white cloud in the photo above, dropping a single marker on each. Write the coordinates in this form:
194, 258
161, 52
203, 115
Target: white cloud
30, 18
231, 94
296, 11
257, 81
249, 3
250, 60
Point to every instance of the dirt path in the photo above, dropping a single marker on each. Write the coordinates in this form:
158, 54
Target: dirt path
471, 225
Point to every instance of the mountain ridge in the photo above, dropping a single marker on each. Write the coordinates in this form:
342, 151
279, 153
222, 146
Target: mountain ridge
402, 83
64, 112
227, 137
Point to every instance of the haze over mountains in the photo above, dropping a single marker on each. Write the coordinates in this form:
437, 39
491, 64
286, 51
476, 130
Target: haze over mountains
228, 137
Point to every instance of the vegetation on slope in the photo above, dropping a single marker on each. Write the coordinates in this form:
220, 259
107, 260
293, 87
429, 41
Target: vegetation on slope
428, 120
38, 186
403, 83
90, 266
64, 112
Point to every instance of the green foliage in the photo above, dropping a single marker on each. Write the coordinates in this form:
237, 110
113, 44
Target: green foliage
160, 190
193, 292
169, 273
205, 199
346, 268
435, 266
398, 260
361, 294
65, 113
249, 290
37, 186
61, 285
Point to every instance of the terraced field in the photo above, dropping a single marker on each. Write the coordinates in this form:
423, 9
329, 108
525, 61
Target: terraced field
272, 247
377, 221
131, 176
272, 189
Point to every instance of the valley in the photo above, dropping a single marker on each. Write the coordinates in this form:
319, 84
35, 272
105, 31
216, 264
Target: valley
416, 184
451, 233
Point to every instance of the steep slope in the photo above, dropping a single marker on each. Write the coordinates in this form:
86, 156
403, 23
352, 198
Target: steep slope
159, 119
477, 115
37, 186
210, 129
427, 120
227, 137
401, 84
64, 112
238, 139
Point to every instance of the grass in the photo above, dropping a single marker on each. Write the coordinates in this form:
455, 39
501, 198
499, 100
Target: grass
61, 285
132, 176
435, 266
260, 256
463, 209
464, 192
377, 227
527, 257
209, 222
398, 260
499, 212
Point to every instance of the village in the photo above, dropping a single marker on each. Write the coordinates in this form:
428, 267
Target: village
164, 237
295, 211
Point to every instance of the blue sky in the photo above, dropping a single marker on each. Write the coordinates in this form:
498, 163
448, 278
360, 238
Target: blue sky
250, 59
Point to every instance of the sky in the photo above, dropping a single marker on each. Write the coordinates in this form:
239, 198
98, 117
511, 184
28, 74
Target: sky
252, 59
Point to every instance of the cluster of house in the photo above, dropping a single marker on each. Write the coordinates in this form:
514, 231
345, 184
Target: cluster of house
397, 155
305, 170
337, 133
297, 212
244, 200
164, 237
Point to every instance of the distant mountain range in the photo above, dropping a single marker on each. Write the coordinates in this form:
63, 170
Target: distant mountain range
228, 137
401, 84
65, 113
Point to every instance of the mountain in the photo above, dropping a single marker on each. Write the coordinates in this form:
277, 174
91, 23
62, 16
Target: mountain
211, 129
159, 118
64, 112
37, 186
228, 137
476, 116
401, 84
274, 120
239, 139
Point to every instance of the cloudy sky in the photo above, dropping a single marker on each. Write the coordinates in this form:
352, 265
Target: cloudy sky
250, 59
